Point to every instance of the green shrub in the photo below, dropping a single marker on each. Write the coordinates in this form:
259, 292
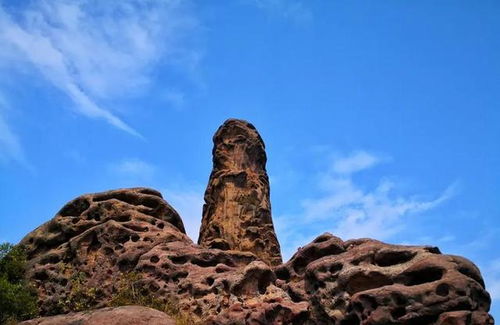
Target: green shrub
18, 300
81, 296
130, 292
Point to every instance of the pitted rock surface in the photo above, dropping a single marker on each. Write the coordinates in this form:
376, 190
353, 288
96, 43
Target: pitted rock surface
235, 275
237, 210
105, 235
126, 315
369, 282
326, 282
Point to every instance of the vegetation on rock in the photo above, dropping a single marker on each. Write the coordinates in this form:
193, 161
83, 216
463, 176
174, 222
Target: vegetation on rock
18, 300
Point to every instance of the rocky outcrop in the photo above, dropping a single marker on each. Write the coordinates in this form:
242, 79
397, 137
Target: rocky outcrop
126, 315
97, 238
80, 258
365, 281
237, 210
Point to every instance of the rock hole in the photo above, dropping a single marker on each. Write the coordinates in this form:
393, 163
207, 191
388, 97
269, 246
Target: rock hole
178, 259
361, 282
389, 258
161, 225
398, 312
417, 277
282, 273
443, 289
154, 259
335, 268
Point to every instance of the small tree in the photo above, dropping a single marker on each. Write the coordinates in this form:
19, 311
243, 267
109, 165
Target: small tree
18, 300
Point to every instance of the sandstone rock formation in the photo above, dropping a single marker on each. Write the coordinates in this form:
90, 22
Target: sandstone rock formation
80, 256
237, 210
127, 315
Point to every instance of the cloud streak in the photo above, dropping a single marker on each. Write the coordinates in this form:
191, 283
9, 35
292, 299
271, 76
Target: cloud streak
95, 50
349, 210
10, 146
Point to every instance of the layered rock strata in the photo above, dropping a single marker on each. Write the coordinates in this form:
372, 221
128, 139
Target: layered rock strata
237, 210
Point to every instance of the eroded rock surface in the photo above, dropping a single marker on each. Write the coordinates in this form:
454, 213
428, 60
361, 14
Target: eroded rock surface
237, 210
102, 236
97, 238
126, 315
77, 260
369, 282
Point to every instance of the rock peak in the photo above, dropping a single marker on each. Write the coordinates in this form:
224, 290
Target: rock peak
237, 210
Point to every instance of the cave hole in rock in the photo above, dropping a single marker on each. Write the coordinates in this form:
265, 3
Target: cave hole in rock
398, 312
154, 259
362, 281
282, 273
179, 259
389, 258
425, 275
443, 289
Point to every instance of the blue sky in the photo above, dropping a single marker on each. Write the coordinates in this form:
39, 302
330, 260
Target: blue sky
381, 118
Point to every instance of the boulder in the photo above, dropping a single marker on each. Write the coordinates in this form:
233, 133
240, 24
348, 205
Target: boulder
126, 315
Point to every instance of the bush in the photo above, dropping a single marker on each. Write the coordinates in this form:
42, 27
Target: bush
130, 292
81, 296
18, 300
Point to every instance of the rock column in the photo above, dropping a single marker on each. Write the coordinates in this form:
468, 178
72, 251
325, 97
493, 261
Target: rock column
237, 210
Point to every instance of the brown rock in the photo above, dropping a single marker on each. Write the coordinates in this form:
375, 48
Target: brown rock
97, 238
126, 315
237, 210
77, 260
368, 282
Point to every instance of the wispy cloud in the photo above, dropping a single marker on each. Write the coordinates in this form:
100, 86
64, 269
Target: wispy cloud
96, 50
133, 168
10, 146
294, 10
349, 210
492, 278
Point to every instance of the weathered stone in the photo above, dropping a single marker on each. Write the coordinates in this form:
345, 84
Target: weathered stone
237, 210
235, 275
103, 236
126, 315
368, 282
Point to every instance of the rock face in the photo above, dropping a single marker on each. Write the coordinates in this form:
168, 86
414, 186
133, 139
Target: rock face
126, 315
368, 282
237, 210
77, 260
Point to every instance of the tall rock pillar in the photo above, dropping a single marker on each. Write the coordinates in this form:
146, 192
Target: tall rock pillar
237, 210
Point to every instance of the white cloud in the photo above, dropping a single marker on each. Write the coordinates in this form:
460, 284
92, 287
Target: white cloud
10, 146
348, 210
96, 50
357, 161
133, 168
